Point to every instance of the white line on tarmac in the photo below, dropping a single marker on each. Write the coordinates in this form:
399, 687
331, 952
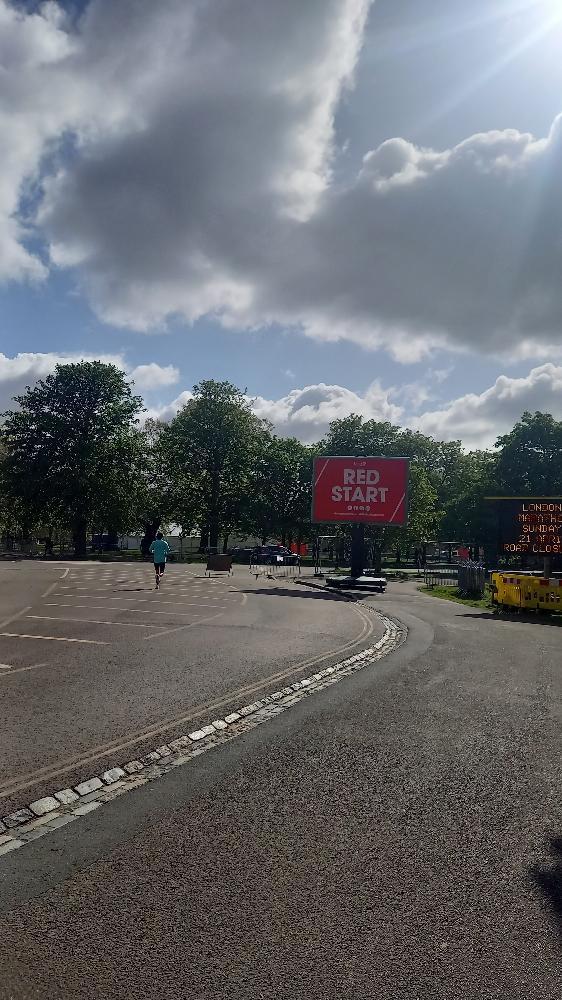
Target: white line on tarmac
50, 589
21, 670
53, 638
168, 631
141, 600
131, 611
89, 621
13, 618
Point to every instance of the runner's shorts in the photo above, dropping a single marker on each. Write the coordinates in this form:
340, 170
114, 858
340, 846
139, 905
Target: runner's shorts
159, 567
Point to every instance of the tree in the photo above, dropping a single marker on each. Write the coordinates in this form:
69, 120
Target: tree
530, 456
157, 491
280, 500
214, 445
71, 449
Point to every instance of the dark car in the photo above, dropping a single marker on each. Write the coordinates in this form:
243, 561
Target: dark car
273, 554
241, 554
104, 543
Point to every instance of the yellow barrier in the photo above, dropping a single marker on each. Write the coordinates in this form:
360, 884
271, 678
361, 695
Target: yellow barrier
516, 590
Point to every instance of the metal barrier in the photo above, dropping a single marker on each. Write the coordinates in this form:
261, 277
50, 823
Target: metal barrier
441, 578
277, 570
472, 579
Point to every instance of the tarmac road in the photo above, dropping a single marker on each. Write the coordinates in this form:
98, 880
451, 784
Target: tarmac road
397, 835
97, 666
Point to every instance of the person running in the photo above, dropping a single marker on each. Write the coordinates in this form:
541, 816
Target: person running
160, 551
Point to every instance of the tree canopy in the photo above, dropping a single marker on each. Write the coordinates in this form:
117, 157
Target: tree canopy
74, 451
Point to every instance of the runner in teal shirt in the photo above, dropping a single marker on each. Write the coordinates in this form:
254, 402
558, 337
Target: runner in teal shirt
160, 551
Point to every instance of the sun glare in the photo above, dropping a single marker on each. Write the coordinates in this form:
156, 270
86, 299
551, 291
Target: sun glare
549, 10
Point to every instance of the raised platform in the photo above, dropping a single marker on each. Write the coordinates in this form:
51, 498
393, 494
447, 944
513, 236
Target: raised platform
376, 583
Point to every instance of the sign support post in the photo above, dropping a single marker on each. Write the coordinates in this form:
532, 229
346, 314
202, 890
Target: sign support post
357, 549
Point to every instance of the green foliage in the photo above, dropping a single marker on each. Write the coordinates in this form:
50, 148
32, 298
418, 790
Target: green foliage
72, 453
530, 458
70, 447
214, 445
279, 505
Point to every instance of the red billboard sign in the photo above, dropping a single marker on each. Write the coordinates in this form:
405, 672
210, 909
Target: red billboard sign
364, 490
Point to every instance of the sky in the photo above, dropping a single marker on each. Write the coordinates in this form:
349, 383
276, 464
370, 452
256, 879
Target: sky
341, 206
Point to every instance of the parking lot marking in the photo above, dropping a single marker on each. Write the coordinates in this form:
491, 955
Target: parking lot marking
143, 600
179, 628
50, 589
13, 618
90, 621
21, 670
132, 611
53, 638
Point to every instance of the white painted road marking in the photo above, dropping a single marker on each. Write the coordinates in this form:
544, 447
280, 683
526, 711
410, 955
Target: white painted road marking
130, 611
52, 638
90, 621
21, 670
143, 600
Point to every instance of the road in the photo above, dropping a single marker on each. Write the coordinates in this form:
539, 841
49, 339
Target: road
98, 667
396, 835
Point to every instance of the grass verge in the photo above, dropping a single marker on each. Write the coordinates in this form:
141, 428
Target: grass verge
453, 594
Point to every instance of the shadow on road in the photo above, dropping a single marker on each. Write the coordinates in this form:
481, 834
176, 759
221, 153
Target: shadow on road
315, 595
518, 619
548, 880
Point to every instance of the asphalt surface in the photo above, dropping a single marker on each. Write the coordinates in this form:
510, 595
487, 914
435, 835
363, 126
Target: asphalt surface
395, 836
99, 668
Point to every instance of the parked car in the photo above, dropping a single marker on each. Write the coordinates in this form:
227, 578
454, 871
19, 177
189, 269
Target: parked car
104, 543
274, 553
241, 554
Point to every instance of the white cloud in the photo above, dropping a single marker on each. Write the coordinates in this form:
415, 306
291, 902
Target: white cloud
27, 368
307, 413
167, 411
153, 376
225, 146
199, 182
478, 419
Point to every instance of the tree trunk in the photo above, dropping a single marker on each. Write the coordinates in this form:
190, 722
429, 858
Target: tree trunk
214, 510
204, 539
150, 529
225, 544
112, 538
214, 532
79, 537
